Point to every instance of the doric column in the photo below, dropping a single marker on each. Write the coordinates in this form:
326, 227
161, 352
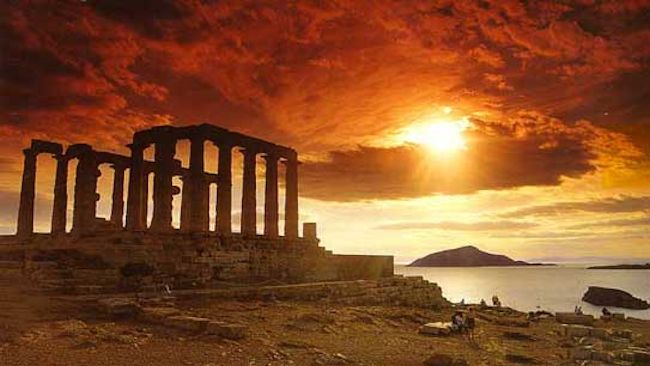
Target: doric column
271, 196
198, 188
60, 206
85, 193
136, 184
27, 195
291, 199
162, 183
186, 203
224, 189
144, 198
117, 207
248, 199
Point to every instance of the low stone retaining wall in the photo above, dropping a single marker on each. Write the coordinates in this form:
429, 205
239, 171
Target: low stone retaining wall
122, 262
397, 290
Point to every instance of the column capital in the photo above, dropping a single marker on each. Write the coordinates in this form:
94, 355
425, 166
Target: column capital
61, 157
137, 147
270, 156
224, 144
29, 153
249, 151
118, 167
197, 136
286, 161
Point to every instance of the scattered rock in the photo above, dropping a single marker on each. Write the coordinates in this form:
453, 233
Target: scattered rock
519, 336
603, 296
441, 359
437, 329
73, 328
295, 344
601, 333
226, 330
642, 357
580, 353
119, 306
572, 318
189, 323
574, 330
85, 344
157, 314
623, 333
510, 357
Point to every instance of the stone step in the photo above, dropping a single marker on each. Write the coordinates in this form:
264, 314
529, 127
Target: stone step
11, 264
32, 265
92, 289
45, 274
95, 272
4, 272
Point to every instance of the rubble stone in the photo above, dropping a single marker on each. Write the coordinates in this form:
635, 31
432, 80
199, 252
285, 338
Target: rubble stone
572, 318
189, 323
226, 330
119, 306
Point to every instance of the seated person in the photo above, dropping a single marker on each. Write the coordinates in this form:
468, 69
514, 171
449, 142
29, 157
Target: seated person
457, 322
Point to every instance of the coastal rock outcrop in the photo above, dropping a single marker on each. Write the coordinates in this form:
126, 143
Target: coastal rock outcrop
603, 296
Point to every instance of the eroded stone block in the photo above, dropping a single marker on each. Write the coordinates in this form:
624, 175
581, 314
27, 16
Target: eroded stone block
189, 323
226, 330
572, 318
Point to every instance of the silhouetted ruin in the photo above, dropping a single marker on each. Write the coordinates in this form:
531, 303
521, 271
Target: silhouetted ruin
192, 255
196, 181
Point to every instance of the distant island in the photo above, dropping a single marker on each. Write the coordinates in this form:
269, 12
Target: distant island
623, 266
467, 256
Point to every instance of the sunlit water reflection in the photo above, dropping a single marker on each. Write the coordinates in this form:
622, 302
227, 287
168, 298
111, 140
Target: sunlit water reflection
557, 288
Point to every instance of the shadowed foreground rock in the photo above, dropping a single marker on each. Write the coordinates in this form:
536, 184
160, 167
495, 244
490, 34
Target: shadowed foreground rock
603, 296
441, 359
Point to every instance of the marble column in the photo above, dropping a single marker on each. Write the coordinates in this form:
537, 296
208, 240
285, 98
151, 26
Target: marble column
60, 206
248, 199
224, 189
117, 207
27, 195
291, 199
136, 184
186, 204
198, 188
271, 196
162, 184
85, 193
144, 198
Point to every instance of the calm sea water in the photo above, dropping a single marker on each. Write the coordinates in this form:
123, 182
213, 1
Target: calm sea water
556, 288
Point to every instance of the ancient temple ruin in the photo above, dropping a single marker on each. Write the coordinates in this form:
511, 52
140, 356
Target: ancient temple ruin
164, 167
191, 254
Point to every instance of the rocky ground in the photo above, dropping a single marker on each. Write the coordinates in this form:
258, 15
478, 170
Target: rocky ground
62, 332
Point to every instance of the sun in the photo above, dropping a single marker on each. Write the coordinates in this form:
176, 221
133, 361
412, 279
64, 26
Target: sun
441, 136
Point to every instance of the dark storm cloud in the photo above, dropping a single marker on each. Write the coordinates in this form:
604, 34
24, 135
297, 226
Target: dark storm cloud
329, 75
460, 226
622, 204
492, 162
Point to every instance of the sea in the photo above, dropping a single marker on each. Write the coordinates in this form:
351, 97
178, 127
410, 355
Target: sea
526, 288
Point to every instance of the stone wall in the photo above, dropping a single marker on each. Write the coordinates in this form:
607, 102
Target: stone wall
396, 290
135, 262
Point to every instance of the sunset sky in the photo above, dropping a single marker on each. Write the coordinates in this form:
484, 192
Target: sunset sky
519, 127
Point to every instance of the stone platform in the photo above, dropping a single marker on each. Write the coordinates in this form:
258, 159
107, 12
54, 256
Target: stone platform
128, 261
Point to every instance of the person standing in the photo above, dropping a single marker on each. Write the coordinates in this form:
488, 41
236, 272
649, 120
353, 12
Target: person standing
470, 324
